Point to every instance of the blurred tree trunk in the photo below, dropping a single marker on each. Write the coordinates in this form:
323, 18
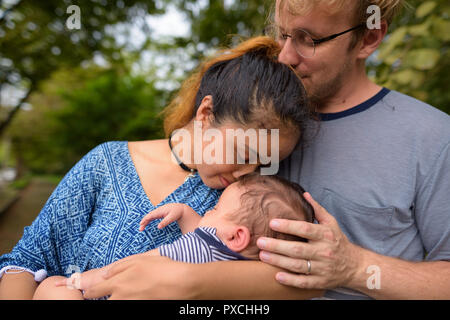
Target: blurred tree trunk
21, 169
5, 123
3, 16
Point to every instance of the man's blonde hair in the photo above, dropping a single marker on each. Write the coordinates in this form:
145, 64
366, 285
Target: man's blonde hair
357, 10
388, 8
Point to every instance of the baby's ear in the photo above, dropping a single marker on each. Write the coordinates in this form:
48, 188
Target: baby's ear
240, 239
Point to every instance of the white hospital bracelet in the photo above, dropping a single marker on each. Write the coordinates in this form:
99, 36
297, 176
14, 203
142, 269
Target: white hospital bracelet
38, 275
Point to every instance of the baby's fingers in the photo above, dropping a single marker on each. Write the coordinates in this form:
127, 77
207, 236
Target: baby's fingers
165, 222
144, 222
155, 214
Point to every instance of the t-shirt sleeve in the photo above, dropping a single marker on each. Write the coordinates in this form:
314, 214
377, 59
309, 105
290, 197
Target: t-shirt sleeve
189, 248
51, 241
432, 209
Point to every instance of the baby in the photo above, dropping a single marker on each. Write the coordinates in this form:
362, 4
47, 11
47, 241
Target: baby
227, 232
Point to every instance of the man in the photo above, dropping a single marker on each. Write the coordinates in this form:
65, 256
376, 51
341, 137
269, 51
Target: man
379, 164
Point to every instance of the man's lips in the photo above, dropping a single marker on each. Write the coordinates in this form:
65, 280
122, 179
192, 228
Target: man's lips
224, 181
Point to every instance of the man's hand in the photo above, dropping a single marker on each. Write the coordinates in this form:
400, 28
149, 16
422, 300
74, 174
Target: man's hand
333, 259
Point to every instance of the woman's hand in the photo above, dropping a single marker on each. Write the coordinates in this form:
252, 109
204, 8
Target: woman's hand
140, 277
333, 259
82, 281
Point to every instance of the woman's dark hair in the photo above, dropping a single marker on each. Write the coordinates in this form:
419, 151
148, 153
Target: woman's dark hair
248, 85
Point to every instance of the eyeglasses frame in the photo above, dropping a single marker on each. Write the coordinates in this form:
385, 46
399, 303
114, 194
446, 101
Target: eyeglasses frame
325, 39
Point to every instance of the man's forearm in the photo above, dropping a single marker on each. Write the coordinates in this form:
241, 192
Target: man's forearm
244, 280
383, 277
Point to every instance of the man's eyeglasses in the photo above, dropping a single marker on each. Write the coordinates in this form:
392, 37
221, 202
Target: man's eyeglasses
303, 42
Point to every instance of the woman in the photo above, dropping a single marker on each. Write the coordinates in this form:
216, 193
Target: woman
92, 218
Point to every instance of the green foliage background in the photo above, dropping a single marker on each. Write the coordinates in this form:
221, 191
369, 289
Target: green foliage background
77, 104
415, 58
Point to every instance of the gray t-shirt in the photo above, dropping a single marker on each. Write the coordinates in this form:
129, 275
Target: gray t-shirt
382, 169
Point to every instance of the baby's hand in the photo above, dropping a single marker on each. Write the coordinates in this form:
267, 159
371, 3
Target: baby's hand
169, 212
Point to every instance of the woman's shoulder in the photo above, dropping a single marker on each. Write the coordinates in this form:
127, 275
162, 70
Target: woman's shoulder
101, 157
93, 171
105, 149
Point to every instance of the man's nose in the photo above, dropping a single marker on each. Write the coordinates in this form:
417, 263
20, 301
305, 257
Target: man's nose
289, 55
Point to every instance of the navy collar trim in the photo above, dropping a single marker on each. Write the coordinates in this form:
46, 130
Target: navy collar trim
359, 108
218, 245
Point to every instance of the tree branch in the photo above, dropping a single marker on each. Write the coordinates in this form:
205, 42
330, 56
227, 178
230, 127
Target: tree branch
3, 17
5, 123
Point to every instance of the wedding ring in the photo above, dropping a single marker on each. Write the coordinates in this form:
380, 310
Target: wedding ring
308, 263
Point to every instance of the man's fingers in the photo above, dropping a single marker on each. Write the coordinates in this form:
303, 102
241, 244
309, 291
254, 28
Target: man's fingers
322, 216
297, 228
293, 249
299, 281
291, 264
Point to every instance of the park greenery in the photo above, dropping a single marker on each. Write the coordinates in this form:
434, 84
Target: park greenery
79, 88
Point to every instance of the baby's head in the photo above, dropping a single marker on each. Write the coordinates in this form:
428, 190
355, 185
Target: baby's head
244, 211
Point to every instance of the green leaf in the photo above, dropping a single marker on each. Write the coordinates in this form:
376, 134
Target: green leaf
445, 10
425, 9
396, 38
419, 94
441, 29
403, 77
409, 77
420, 29
422, 59
395, 55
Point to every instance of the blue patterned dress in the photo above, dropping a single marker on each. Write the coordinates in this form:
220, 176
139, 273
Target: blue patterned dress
92, 218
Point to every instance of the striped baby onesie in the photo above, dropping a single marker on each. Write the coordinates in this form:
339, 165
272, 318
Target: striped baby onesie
200, 246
